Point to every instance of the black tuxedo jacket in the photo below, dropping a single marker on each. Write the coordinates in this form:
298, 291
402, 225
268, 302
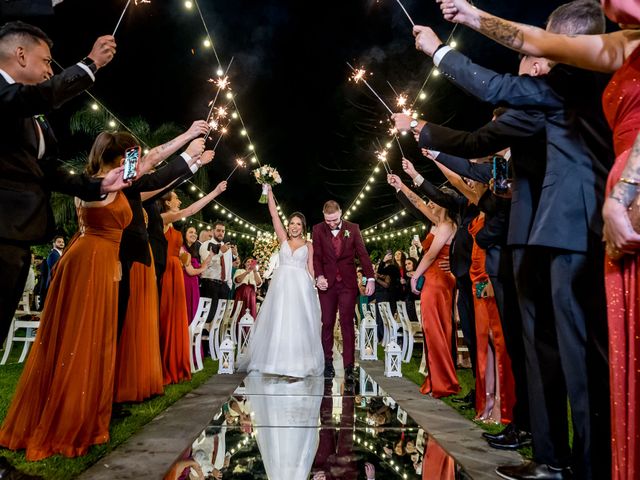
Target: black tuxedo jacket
521, 130
579, 143
26, 182
134, 246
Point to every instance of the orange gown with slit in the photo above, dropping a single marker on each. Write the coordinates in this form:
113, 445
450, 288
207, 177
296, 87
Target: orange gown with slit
174, 323
488, 320
138, 363
436, 299
62, 404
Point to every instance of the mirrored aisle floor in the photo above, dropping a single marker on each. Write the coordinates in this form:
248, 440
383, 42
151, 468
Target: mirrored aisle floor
282, 428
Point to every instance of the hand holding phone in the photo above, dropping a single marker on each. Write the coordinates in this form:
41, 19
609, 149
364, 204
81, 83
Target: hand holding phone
500, 175
131, 159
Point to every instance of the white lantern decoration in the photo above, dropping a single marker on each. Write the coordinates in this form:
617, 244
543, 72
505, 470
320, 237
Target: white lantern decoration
226, 361
246, 325
368, 338
392, 360
368, 386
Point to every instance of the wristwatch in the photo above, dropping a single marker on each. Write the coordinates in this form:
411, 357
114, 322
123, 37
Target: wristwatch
90, 63
413, 124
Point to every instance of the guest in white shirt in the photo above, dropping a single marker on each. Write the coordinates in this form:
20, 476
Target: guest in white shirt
215, 281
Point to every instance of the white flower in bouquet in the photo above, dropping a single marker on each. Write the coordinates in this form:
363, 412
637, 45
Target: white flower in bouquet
266, 175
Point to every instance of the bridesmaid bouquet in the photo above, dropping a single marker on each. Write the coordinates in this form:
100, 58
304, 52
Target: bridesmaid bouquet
266, 175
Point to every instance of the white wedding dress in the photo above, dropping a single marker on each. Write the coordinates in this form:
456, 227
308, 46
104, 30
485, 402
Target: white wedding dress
287, 337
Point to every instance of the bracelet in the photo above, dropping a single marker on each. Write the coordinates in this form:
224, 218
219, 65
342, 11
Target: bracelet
630, 181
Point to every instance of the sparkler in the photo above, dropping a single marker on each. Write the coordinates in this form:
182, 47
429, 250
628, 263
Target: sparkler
223, 130
222, 83
126, 7
239, 163
399, 145
382, 157
358, 76
406, 13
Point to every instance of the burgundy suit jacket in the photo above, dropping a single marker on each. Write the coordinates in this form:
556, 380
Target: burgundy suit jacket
325, 261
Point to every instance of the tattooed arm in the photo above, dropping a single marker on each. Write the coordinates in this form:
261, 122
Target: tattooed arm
164, 151
603, 53
617, 226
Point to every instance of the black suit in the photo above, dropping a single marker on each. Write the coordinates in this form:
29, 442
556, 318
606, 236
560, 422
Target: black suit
134, 246
26, 182
566, 351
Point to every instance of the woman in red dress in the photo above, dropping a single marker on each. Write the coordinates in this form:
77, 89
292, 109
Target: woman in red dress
174, 323
62, 404
612, 52
495, 388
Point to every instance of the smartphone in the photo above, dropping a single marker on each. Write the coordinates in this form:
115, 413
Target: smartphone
500, 174
131, 157
420, 283
416, 238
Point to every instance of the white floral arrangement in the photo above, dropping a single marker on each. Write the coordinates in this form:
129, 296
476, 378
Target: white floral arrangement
266, 175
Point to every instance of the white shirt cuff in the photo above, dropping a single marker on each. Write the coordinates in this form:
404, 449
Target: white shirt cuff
437, 58
418, 180
187, 158
435, 154
87, 69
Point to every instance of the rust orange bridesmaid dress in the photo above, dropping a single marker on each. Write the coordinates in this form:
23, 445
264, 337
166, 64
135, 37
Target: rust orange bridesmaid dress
174, 323
62, 404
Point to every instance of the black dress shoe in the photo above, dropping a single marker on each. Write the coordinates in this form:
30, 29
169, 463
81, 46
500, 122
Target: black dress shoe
469, 398
349, 374
7, 472
533, 471
329, 371
119, 411
512, 440
499, 436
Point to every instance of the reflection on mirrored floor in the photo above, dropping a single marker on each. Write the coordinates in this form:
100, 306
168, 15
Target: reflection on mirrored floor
282, 428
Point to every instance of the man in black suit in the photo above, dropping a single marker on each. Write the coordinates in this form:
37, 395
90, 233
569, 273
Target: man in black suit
567, 352
29, 170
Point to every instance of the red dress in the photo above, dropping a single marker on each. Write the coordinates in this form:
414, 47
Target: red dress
138, 364
621, 102
436, 299
488, 320
62, 403
174, 323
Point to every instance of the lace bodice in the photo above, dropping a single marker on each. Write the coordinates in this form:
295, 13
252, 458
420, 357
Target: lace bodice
297, 259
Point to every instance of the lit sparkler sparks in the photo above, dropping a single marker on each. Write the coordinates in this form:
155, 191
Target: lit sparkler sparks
239, 163
382, 157
401, 100
221, 112
222, 82
358, 76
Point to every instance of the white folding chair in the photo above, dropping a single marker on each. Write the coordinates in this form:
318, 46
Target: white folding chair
195, 334
30, 336
214, 329
407, 332
391, 326
233, 321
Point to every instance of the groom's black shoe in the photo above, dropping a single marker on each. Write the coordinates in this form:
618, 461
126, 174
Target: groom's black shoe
349, 374
329, 371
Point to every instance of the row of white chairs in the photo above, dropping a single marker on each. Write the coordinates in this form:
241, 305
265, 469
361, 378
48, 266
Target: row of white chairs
225, 322
395, 325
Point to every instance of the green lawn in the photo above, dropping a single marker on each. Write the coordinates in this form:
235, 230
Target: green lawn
61, 468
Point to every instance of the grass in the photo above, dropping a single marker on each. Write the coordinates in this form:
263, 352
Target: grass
62, 468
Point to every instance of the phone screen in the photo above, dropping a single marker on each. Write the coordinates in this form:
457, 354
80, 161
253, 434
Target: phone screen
500, 174
131, 157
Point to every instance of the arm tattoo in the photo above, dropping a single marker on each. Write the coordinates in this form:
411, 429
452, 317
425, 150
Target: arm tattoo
414, 199
504, 32
163, 147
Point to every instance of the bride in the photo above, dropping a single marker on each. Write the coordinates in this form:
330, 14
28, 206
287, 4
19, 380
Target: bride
286, 339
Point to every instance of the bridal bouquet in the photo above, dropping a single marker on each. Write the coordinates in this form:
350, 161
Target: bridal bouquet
266, 175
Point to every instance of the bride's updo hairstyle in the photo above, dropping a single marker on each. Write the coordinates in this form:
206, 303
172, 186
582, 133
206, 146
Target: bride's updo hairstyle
303, 220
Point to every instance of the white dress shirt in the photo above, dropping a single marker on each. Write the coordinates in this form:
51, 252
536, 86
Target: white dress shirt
214, 270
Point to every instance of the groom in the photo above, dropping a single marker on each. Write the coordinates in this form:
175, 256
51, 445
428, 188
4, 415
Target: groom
336, 243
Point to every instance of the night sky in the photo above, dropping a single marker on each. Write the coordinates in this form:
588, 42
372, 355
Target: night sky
290, 78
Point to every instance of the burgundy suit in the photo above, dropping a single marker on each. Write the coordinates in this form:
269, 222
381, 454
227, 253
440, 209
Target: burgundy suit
334, 258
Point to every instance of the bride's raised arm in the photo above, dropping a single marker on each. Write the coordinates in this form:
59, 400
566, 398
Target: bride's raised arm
281, 233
